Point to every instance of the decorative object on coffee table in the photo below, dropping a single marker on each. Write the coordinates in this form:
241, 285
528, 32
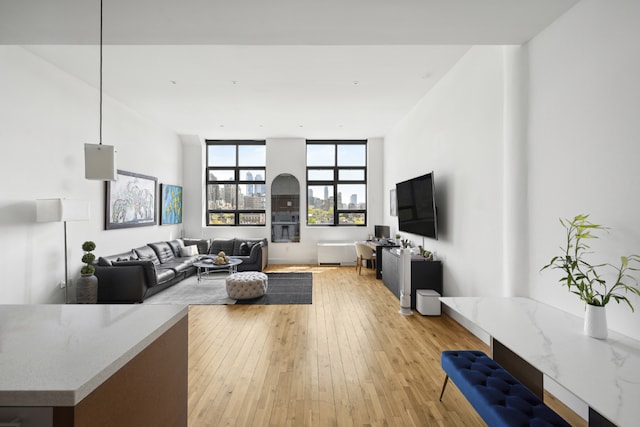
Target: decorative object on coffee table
207, 266
221, 259
87, 285
585, 280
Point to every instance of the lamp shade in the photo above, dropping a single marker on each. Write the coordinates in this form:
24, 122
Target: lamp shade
100, 162
58, 210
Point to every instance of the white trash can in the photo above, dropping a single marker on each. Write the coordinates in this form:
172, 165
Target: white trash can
428, 302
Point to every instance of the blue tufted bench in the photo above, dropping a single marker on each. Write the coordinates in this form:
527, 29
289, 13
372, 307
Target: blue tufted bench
496, 395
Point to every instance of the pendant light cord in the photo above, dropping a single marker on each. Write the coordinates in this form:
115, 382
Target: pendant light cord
100, 139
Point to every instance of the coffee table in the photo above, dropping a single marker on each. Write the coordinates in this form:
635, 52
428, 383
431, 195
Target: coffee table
206, 267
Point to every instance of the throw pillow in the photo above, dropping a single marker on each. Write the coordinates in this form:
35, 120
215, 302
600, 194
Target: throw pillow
245, 249
189, 250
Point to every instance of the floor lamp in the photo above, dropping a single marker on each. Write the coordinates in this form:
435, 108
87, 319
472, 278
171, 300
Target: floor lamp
62, 210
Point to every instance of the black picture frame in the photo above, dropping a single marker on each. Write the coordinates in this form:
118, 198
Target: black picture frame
130, 201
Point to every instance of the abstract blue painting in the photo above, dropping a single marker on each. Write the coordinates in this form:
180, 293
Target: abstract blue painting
171, 204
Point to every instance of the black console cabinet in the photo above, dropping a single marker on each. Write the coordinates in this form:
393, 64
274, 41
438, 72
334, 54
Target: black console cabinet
424, 274
379, 252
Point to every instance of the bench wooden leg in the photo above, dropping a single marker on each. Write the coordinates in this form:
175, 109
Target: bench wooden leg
444, 385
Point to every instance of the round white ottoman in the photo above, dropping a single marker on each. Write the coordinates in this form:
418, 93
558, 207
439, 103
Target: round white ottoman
247, 285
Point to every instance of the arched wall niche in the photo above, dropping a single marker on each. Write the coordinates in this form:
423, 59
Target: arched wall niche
285, 209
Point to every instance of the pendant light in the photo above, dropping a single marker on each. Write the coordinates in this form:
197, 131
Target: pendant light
99, 159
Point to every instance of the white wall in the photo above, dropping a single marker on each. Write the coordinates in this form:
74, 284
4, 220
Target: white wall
563, 113
565, 108
284, 155
456, 132
584, 142
288, 155
45, 118
193, 191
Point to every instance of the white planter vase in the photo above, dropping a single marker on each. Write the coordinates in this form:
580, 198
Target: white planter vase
595, 322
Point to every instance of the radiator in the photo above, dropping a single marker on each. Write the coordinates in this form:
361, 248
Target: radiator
336, 253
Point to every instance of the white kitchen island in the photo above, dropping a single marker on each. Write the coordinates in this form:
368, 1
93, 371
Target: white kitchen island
94, 365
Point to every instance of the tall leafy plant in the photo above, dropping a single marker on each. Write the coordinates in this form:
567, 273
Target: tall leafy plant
583, 278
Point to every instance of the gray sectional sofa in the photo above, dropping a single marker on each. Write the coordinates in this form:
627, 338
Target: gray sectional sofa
132, 276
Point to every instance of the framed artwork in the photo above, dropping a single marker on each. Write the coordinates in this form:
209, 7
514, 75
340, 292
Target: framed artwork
130, 201
170, 204
393, 202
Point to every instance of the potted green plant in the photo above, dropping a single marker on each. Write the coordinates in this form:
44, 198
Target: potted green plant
87, 286
586, 280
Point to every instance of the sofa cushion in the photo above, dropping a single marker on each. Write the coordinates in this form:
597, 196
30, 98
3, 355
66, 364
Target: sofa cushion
146, 253
224, 245
106, 261
180, 265
202, 244
163, 275
243, 246
148, 267
175, 246
163, 250
186, 251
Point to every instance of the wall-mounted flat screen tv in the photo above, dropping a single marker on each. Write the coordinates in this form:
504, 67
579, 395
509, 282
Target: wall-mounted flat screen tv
417, 206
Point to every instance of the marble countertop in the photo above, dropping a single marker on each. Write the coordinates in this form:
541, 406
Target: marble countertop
55, 355
605, 374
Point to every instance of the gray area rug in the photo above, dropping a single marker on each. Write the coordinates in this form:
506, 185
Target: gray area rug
284, 288
189, 291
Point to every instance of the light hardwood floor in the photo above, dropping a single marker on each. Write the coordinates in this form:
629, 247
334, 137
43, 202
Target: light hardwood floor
347, 359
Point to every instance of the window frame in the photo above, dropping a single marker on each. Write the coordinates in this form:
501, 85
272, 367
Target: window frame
237, 181
336, 182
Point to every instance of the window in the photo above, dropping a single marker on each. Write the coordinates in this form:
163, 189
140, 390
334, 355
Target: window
235, 179
336, 182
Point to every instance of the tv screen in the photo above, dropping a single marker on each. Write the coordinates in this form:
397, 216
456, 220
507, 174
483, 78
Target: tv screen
382, 231
416, 206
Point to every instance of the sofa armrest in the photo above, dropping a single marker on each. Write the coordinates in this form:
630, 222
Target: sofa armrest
123, 283
264, 254
255, 256
147, 266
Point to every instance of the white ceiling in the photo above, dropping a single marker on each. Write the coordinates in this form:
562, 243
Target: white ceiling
269, 68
